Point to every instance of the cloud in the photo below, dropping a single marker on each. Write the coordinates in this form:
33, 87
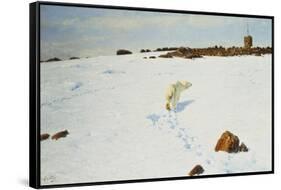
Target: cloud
122, 22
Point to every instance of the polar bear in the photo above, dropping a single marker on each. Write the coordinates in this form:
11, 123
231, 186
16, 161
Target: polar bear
173, 93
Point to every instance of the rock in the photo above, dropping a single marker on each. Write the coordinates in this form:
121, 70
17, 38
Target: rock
257, 54
158, 49
152, 57
196, 56
145, 57
197, 170
243, 148
167, 55
60, 134
228, 142
44, 136
188, 56
123, 52
145, 50
184, 50
71, 58
53, 59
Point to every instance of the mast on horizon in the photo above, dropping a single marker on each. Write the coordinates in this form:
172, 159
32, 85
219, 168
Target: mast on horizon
248, 40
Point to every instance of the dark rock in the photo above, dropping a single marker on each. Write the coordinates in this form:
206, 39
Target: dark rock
197, 170
60, 134
145, 50
123, 52
44, 136
71, 58
152, 57
228, 142
243, 148
158, 49
145, 57
53, 59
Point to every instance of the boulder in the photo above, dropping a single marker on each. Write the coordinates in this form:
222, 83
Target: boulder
123, 52
197, 170
60, 134
142, 51
228, 142
152, 57
44, 136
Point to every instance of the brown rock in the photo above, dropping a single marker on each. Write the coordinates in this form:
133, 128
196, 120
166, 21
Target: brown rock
60, 134
184, 50
167, 55
243, 148
228, 142
197, 170
44, 136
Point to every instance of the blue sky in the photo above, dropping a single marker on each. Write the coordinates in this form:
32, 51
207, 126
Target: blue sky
82, 32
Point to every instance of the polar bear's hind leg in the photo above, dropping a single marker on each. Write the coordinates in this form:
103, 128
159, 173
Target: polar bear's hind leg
168, 102
168, 107
169, 97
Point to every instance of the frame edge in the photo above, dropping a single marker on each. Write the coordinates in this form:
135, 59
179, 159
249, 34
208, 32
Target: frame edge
34, 170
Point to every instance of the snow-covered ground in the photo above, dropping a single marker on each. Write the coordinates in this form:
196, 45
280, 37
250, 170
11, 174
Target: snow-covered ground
114, 110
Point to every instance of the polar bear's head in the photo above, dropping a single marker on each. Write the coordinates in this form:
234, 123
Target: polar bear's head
184, 84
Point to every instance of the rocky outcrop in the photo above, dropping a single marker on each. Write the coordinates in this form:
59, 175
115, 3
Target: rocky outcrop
123, 52
228, 142
166, 49
183, 52
190, 53
197, 170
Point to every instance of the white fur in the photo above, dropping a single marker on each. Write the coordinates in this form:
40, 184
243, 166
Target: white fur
173, 93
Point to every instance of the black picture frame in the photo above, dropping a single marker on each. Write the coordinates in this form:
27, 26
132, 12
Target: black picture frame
34, 92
